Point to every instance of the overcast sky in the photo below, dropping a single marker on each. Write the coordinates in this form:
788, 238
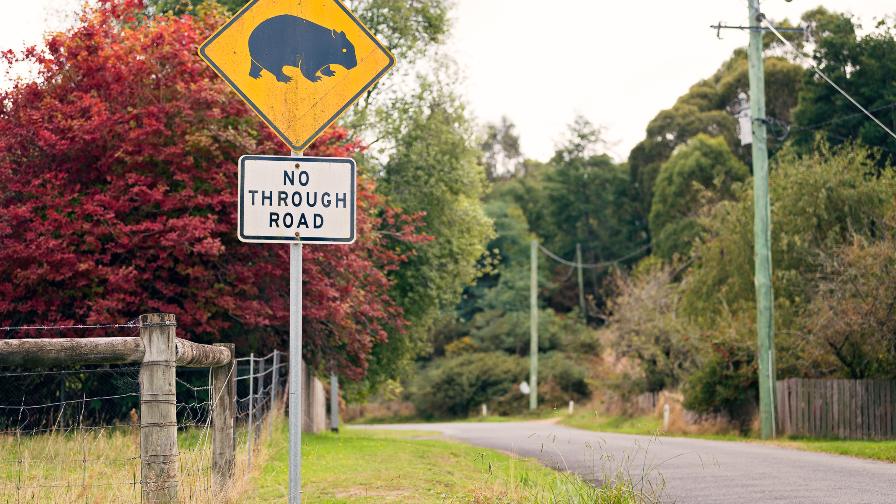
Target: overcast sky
540, 62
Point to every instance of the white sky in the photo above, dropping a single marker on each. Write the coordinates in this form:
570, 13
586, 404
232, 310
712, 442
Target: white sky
541, 62
616, 62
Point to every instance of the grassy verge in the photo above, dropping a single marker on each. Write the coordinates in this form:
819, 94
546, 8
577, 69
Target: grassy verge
646, 425
358, 466
651, 426
538, 415
94, 466
876, 450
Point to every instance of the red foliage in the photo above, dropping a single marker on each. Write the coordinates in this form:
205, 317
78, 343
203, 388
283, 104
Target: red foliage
118, 187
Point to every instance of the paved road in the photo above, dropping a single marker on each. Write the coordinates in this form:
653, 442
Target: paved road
688, 470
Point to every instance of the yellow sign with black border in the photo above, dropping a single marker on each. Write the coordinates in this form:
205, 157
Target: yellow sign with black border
298, 63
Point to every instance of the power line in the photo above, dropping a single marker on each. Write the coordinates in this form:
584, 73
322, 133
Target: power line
599, 265
821, 74
835, 120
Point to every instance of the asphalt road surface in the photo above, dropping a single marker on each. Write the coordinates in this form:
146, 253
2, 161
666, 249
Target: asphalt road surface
684, 470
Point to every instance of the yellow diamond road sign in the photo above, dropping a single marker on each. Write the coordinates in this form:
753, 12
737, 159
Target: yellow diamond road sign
298, 63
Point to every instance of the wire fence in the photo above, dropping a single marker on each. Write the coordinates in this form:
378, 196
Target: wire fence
70, 435
260, 385
74, 434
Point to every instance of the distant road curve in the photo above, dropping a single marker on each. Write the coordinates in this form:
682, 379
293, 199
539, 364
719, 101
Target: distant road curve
688, 470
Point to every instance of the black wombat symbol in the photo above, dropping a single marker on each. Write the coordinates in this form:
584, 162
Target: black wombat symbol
290, 41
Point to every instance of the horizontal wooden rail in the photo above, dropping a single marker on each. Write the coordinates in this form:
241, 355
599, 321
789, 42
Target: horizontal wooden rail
69, 351
195, 355
75, 351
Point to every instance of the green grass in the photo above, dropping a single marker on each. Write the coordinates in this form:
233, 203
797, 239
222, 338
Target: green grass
651, 426
645, 425
876, 450
359, 466
524, 417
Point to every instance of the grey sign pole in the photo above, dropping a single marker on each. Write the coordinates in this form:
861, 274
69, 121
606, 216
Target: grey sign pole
295, 370
295, 373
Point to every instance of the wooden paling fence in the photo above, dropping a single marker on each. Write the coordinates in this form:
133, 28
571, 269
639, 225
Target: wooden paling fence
646, 402
840, 409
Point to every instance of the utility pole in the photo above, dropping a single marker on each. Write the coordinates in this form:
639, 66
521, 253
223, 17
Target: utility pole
761, 229
581, 282
533, 329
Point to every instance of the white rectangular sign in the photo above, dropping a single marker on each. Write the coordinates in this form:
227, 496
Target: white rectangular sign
297, 199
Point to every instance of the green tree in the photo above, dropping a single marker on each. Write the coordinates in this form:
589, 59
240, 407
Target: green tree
821, 203
863, 66
435, 168
849, 325
501, 146
584, 199
408, 29
509, 249
700, 173
709, 107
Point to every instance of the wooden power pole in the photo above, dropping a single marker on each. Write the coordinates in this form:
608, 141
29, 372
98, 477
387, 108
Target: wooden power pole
581, 276
761, 229
533, 328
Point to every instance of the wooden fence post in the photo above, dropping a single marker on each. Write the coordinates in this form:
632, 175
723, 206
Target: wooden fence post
223, 398
158, 409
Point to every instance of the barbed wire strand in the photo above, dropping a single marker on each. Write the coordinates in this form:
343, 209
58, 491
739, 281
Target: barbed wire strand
132, 323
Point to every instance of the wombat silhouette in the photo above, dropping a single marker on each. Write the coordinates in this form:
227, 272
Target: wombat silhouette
290, 41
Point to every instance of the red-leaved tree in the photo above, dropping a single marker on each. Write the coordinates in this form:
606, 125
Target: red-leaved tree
118, 193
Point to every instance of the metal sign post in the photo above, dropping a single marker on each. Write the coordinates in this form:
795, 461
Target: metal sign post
295, 200
295, 373
299, 65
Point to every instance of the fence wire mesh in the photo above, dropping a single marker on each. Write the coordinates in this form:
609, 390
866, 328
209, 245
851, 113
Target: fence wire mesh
257, 399
73, 435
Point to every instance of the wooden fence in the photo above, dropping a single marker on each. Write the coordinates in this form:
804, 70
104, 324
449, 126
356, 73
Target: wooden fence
646, 403
159, 352
841, 409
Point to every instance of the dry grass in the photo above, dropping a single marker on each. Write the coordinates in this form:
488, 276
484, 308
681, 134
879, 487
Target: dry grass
103, 466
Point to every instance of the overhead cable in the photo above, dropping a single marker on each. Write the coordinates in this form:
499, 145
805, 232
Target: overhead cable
825, 77
599, 265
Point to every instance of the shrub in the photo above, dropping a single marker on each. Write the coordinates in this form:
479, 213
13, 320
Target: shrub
454, 386
561, 379
645, 326
821, 203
